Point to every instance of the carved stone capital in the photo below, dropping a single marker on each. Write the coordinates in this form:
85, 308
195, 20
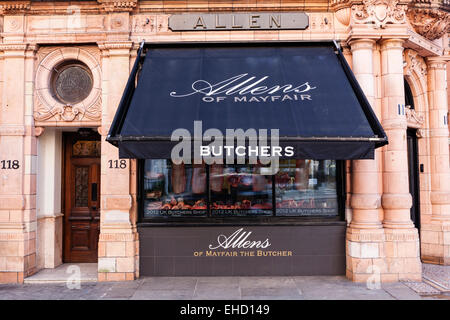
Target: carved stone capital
437, 62
13, 6
361, 44
118, 6
379, 12
392, 44
430, 18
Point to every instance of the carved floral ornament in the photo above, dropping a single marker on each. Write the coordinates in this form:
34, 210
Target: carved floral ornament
431, 23
48, 108
414, 63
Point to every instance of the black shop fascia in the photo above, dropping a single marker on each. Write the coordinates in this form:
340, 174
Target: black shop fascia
242, 144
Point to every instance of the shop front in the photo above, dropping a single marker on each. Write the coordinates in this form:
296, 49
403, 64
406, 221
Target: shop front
241, 152
218, 137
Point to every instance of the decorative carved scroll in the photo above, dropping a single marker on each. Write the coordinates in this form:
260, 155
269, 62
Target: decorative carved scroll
414, 63
431, 23
414, 120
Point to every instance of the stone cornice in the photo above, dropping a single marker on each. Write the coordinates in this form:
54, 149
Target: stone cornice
118, 6
13, 47
14, 6
115, 45
421, 44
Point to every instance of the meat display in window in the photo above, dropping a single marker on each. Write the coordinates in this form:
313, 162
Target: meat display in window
199, 178
178, 178
199, 205
262, 206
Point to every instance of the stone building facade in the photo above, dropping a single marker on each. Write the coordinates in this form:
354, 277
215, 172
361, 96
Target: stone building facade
386, 42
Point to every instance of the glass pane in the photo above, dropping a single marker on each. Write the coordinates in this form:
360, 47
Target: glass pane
306, 188
240, 190
86, 148
174, 190
81, 186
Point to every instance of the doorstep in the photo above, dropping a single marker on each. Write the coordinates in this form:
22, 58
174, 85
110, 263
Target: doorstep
84, 272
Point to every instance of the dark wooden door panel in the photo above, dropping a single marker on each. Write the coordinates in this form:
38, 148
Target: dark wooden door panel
82, 199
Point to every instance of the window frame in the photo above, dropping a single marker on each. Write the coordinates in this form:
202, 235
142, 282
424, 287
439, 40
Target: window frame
210, 219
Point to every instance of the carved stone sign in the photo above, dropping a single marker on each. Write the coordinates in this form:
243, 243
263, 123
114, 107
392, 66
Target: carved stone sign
239, 21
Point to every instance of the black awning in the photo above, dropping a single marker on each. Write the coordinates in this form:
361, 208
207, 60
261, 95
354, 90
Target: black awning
306, 90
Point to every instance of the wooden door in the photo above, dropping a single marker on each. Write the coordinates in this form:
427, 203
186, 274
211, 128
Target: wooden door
81, 198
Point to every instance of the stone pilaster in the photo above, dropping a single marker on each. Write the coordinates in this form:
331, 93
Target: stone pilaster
364, 241
401, 238
118, 238
436, 234
17, 165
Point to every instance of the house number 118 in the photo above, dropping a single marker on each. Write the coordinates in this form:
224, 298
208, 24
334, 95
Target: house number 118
116, 164
10, 164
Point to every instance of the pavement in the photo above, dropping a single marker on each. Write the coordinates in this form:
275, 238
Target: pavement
79, 282
221, 288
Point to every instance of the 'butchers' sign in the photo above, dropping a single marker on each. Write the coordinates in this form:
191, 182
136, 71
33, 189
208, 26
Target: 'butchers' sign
239, 21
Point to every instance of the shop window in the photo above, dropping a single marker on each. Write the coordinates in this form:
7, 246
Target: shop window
301, 188
86, 148
240, 190
174, 190
306, 188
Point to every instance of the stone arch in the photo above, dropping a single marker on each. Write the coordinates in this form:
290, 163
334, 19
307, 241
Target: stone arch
415, 73
50, 111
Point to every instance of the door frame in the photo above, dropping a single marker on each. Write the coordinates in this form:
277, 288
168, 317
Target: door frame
414, 153
81, 134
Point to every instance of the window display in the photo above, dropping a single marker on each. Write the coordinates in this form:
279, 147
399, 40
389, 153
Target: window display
306, 188
240, 190
174, 190
300, 188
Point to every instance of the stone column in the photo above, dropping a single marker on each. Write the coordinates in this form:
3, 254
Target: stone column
436, 235
117, 244
401, 238
365, 234
17, 167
